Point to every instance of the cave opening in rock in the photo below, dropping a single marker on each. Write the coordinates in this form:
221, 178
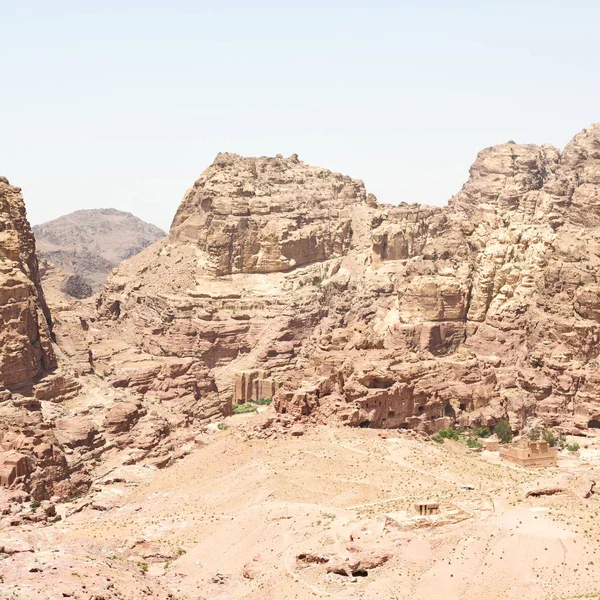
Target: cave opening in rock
380, 382
594, 424
449, 411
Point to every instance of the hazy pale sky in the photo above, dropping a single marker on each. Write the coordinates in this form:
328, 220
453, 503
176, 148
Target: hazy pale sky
125, 103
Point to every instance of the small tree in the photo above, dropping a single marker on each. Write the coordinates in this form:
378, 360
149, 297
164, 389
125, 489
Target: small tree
503, 431
449, 433
482, 432
549, 437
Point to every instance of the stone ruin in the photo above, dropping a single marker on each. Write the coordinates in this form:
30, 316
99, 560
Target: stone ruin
427, 507
252, 385
531, 454
491, 444
13, 468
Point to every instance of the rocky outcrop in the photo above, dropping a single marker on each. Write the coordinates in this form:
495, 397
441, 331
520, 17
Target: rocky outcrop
27, 360
25, 331
88, 244
76, 286
263, 215
235, 287
280, 274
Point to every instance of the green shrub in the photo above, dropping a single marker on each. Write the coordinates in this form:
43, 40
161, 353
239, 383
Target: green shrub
573, 447
449, 433
473, 443
503, 431
549, 437
535, 434
553, 440
222, 427
482, 432
263, 401
238, 409
436, 437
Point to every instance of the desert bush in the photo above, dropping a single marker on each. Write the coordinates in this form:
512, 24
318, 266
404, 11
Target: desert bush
449, 433
472, 443
553, 440
573, 447
548, 436
239, 409
263, 401
503, 431
482, 432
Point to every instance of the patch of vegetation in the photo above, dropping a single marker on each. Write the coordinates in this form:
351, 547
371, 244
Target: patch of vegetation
573, 447
482, 432
222, 427
239, 409
449, 433
473, 443
143, 566
549, 436
263, 401
559, 440
436, 437
503, 431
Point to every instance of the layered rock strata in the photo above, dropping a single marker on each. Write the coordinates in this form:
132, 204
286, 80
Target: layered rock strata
25, 331
386, 316
31, 457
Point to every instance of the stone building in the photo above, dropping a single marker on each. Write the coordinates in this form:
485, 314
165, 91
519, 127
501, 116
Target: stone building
427, 507
531, 454
13, 466
491, 444
252, 385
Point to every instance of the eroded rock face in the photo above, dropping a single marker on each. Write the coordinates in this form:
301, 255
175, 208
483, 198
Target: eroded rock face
76, 286
25, 326
262, 215
387, 316
27, 360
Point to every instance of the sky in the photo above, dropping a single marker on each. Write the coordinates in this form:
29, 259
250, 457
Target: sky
124, 104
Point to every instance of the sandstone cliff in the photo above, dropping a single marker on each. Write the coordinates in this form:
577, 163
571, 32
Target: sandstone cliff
29, 451
281, 276
25, 334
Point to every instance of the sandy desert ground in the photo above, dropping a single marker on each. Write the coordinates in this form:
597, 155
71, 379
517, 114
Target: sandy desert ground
245, 518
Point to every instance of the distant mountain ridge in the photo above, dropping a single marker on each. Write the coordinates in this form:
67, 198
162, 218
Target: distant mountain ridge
91, 243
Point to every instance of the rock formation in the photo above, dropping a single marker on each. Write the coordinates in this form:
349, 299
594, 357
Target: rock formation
29, 453
25, 335
282, 276
89, 244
